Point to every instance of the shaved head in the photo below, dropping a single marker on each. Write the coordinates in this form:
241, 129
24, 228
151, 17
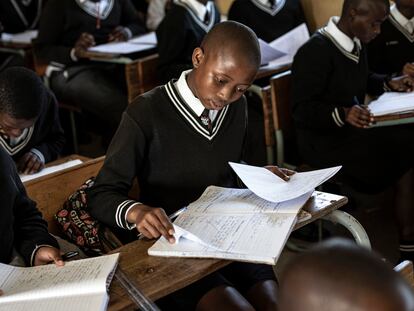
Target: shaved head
363, 5
234, 38
338, 275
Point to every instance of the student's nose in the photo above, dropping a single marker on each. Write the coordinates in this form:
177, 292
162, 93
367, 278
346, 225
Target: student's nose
225, 93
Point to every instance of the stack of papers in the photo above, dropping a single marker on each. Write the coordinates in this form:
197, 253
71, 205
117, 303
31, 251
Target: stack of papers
286, 46
20, 38
50, 170
242, 224
392, 103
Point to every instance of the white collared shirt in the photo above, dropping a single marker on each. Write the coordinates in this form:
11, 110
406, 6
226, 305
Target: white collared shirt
408, 24
342, 39
193, 102
199, 9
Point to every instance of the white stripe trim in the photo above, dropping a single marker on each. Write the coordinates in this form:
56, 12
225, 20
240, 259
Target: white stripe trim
13, 150
402, 29
338, 117
20, 13
133, 226
335, 120
272, 11
38, 154
351, 56
190, 118
210, 9
118, 213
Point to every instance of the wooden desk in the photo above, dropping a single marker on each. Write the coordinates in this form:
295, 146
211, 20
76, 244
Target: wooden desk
267, 71
157, 277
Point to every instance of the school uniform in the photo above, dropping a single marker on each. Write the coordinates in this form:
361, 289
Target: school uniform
21, 225
171, 172
98, 88
394, 46
45, 138
17, 16
180, 32
330, 72
269, 19
156, 13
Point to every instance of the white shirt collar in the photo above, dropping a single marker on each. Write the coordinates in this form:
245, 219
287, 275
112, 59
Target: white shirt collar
342, 39
401, 19
198, 8
193, 102
264, 2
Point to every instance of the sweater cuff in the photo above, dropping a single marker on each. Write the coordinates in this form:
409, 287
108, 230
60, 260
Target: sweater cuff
338, 115
122, 212
128, 33
32, 257
73, 56
38, 154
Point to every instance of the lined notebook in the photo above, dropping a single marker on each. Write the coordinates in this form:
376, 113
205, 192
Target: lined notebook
79, 285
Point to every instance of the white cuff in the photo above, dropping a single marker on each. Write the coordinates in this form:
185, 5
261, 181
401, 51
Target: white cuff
38, 154
336, 117
128, 33
73, 56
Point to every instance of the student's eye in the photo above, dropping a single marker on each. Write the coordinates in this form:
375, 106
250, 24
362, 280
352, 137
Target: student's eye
220, 81
240, 89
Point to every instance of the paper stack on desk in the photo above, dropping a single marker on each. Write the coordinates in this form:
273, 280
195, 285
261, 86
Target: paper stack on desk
238, 224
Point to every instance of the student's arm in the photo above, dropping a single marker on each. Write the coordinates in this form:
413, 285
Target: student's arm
156, 13
52, 145
51, 28
172, 40
310, 75
31, 234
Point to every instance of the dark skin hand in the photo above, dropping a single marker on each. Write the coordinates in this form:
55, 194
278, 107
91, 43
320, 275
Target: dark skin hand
401, 84
85, 41
408, 70
359, 116
118, 34
29, 163
283, 173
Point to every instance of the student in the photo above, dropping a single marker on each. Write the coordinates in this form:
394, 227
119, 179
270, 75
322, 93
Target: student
67, 29
30, 129
268, 18
17, 16
21, 225
330, 80
180, 32
392, 52
339, 275
204, 111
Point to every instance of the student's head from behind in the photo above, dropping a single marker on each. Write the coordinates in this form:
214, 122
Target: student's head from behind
339, 275
225, 64
405, 3
22, 95
363, 18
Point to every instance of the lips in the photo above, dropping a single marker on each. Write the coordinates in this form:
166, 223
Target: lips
216, 104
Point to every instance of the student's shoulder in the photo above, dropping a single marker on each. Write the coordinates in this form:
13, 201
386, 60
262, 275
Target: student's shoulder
58, 4
6, 162
145, 105
317, 45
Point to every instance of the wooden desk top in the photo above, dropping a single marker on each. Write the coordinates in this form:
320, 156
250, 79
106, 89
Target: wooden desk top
157, 277
268, 71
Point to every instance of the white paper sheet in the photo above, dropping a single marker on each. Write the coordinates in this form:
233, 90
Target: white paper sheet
149, 38
233, 224
22, 37
272, 188
392, 102
49, 170
120, 48
268, 53
46, 287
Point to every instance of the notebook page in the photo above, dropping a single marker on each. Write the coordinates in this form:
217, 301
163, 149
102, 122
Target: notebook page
230, 200
392, 102
272, 188
92, 302
149, 38
75, 278
268, 53
49, 170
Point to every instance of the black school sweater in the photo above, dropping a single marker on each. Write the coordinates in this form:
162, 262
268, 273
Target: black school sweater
180, 32
21, 223
268, 24
392, 49
164, 144
18, 15
63, 21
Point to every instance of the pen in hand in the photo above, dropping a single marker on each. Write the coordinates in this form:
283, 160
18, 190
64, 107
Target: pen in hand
172, 216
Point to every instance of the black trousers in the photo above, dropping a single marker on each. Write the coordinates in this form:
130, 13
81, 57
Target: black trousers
100, 90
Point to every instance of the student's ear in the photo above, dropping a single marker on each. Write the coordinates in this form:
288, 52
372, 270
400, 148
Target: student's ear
198, 56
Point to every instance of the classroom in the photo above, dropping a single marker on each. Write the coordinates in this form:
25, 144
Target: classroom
207, 155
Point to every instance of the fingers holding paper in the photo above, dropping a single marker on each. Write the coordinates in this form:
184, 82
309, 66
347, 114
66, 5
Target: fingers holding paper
151, 222
47, 254
283, 173
359, 116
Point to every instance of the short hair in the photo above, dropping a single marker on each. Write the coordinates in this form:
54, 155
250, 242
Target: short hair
343, 273
235, 36
349, 4
22, 93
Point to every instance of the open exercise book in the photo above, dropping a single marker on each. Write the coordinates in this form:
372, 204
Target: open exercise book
391, 105
78, 285
239, 224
